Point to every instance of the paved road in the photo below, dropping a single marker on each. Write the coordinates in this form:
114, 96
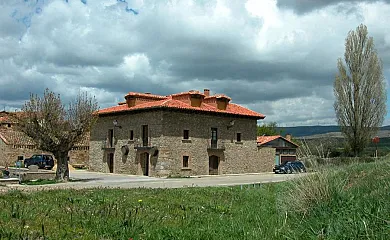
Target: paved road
84, 179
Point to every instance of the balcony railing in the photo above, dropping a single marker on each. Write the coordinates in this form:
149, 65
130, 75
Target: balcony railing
216, 145
108, 144
141, 145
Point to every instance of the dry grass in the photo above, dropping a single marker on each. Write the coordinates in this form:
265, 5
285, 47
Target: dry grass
315, 189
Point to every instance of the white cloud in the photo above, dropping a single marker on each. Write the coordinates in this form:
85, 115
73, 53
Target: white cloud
268, 58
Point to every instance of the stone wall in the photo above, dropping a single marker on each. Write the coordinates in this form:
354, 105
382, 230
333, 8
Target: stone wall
9, 154
130, 163
28, 176
79, 155
238, 157
166, 134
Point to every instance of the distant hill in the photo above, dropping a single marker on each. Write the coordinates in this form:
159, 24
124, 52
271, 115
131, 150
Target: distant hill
304, 131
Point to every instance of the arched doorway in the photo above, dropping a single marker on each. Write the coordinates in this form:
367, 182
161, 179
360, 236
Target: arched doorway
144, 160
110, 162
213, 165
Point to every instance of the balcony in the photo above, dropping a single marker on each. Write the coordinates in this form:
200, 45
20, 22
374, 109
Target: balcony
141, 146
108, 144
216, 145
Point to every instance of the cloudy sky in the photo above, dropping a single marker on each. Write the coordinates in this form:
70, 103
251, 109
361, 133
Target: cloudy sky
277, 57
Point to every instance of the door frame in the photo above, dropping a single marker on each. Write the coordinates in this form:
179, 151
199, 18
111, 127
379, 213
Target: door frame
110, 162
214, 159
145, 163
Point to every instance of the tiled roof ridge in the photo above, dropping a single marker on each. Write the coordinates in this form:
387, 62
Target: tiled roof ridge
187, 93
219, 95
265, 139
146, 95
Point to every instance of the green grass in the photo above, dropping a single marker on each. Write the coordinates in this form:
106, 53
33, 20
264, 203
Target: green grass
348, 203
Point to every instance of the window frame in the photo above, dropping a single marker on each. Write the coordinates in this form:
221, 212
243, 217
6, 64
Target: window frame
186, 134
131, 135
186, 159
238, 137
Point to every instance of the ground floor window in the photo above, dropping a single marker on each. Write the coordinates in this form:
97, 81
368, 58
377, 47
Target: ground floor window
185, 161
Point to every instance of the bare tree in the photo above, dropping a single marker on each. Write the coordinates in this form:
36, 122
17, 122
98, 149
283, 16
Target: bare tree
359, 89
55, 127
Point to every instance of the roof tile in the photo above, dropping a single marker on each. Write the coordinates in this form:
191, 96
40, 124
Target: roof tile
169, 102
266, 139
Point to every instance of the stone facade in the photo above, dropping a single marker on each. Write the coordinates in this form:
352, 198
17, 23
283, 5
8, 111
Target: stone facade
9, 154
167, 151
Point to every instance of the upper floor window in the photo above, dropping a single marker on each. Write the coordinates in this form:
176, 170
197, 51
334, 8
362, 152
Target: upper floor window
131, 135
186, 134
238, 137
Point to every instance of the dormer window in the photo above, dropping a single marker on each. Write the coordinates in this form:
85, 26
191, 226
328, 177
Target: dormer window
222, 103
196, 99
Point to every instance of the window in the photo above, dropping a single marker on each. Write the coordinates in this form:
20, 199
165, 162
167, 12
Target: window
185, 161
9, 125
131, 135
110, 137
238, 137
20, 158
186, 134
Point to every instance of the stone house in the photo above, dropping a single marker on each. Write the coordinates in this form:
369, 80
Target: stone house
189, 133
285, 149
15, 145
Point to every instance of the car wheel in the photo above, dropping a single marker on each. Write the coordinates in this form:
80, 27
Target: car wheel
288, 171
301, 170
25, 165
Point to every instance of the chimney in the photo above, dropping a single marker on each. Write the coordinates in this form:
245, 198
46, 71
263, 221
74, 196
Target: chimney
288, 136
206, 92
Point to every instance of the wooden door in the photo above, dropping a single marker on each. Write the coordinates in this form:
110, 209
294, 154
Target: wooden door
110, 162
213, 165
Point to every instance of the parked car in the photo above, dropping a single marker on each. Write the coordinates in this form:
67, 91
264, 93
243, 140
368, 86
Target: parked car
41, 160
290, 167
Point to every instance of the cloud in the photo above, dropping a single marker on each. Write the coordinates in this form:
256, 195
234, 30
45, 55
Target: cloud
305, 6
275, 57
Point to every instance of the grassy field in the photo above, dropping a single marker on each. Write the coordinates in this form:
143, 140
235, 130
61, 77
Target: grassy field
351, 202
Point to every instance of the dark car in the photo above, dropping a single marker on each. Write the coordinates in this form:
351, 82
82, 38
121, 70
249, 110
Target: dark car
290, 167
41, 160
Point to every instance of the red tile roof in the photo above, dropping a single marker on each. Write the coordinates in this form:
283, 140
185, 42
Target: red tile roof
169, 102
4, 119
266, 139
12, 137
219, 96
145, 95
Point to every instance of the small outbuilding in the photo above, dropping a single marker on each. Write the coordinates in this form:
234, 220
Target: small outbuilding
285, 149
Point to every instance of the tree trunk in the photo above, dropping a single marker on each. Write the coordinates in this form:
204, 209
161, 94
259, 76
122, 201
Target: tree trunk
62, 173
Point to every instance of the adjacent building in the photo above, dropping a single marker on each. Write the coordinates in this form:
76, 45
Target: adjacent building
188, 133
285, 149
15, 145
